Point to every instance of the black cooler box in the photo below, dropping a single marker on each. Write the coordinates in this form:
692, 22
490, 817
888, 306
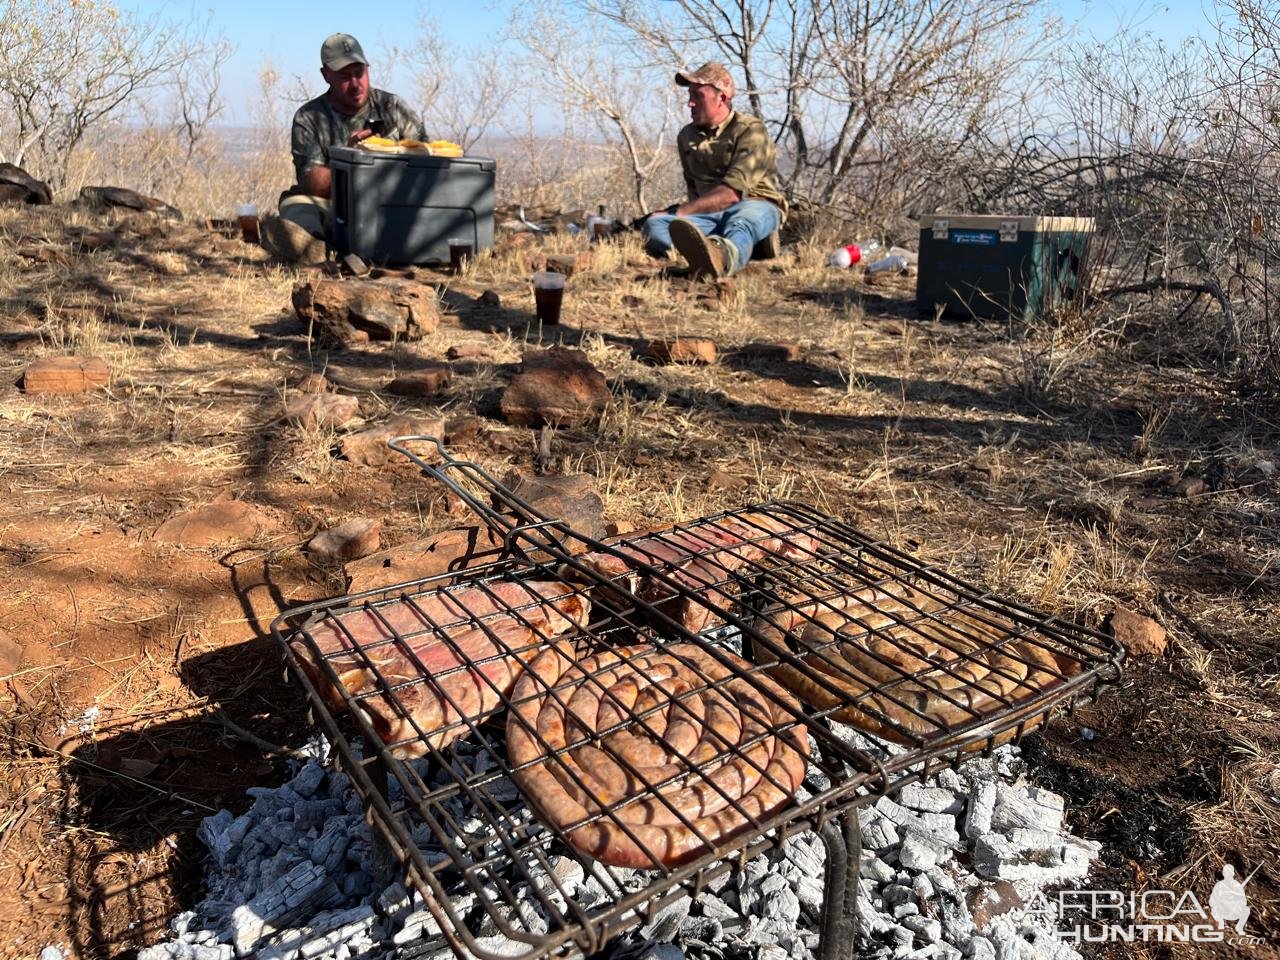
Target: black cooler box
1001, 266
402, 208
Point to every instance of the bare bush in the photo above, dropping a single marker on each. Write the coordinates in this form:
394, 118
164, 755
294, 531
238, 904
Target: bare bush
68, 67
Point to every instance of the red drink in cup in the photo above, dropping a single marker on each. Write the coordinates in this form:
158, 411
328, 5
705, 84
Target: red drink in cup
548, 295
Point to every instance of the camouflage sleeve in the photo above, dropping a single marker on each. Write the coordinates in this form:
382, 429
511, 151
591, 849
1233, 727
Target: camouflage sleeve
751, 160
308, 151
405, 121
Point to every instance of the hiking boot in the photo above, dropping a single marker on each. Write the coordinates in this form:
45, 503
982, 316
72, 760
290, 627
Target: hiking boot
290, 243
707, 256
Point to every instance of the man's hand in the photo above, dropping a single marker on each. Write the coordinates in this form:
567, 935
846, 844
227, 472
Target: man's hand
358, 136
714, 200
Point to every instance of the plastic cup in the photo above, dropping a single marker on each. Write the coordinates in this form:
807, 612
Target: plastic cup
460, 251
247, 215
548, 295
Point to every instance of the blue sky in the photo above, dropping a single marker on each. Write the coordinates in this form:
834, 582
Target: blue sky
287, 33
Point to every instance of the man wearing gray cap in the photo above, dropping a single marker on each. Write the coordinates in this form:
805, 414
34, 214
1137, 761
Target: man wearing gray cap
731, 172
348, 112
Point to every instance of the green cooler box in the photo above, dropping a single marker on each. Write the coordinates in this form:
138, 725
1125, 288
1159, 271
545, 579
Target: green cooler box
1000, 266
402, 208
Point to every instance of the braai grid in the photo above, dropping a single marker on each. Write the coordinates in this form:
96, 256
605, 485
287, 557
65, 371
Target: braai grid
773, 578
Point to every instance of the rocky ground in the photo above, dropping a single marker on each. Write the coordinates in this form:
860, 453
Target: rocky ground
192, 443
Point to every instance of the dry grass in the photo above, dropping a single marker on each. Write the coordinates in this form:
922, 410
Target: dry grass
1038, 467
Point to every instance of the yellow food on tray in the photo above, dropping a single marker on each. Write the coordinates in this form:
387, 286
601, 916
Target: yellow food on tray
416, 146
445, 148
379, 143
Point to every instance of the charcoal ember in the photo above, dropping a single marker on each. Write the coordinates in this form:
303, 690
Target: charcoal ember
667, 920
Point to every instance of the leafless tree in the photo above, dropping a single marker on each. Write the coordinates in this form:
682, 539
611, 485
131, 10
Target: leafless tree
460, 90
65, 67
630, 100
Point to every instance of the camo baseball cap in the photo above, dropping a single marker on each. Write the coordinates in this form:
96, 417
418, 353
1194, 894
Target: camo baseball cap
711, 73
341, 50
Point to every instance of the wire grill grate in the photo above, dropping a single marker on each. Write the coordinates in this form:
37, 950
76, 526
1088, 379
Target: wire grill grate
561, 742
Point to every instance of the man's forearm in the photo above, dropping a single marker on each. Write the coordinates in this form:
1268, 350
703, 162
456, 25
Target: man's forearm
713, 201
317, 182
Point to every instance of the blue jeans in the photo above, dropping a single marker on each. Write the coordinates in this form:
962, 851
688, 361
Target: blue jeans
742, 225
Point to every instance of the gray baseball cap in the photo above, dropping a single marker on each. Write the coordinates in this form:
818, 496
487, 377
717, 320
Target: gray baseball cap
341, 50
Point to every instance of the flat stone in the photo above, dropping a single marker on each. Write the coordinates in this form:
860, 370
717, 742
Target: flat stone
571, 497
65, 375
442, 552
557, 387
347, 541
321, 410
694, 350
426, 382
568, 263
460, 431
37, 191
313, 383
353, 311
1140, 636
222, 521
469, 351
369, 447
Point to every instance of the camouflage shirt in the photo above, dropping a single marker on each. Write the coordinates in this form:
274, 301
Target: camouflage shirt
317, 127
738, 153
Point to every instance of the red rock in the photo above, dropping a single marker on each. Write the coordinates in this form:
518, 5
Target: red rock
1190, 487
439, 553
469, 351
422, 383
617, 528
568, 263
351, 311
313, 383
559, 387
461, 431
65, 375
698, 350
1140, 636
369, 447
347, 541
571, 497
321, 409
719, 480
219, 522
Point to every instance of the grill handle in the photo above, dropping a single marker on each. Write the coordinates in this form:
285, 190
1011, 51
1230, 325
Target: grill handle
520, 517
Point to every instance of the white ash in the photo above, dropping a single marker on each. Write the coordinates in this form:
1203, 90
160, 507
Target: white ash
295, 877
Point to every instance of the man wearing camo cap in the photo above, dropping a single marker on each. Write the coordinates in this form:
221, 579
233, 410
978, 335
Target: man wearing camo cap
348, 112
731, 171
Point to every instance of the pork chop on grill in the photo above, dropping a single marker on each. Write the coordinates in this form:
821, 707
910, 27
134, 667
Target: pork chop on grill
704, 559
425, 668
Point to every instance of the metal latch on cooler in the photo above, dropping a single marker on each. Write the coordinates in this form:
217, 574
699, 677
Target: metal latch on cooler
940, 229
1008, 231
